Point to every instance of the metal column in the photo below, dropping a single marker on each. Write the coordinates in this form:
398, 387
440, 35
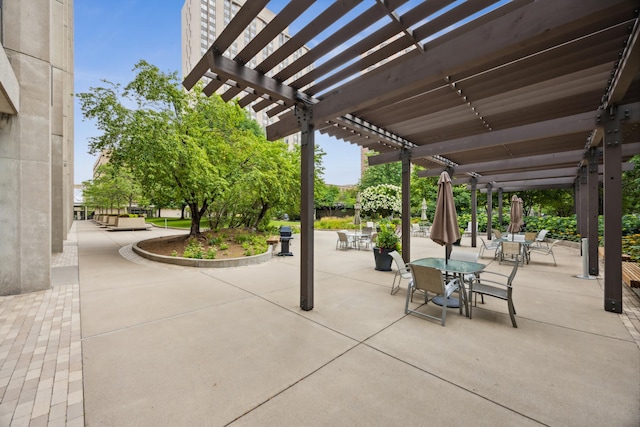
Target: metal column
474, 211
499, 210
612, 202
489, 210
583, 213
593, 202
307, 165
406, 205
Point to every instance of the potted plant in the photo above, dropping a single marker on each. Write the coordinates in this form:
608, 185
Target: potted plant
386, 242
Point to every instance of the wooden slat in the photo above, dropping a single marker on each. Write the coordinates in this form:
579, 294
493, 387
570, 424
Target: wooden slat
306, 34
273, 29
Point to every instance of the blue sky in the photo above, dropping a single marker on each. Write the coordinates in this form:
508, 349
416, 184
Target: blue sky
111, 36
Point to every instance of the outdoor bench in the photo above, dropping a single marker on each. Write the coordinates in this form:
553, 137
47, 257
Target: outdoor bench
273, 240
631, 274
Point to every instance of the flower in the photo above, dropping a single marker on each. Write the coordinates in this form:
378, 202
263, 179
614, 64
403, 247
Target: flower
383, 199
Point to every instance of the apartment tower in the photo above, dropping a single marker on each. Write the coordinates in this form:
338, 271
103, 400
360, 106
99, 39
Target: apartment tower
204, 20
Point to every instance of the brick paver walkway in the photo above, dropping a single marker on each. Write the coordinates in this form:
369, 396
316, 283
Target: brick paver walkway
41, 352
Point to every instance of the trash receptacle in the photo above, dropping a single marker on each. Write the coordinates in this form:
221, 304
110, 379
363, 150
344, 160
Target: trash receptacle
285, 237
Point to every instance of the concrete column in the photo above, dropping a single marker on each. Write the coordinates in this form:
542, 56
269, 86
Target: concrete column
36, 145
489, 210
474, 211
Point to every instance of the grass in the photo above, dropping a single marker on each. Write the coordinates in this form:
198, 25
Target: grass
176, 222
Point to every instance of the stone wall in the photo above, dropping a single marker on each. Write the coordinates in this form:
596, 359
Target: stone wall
36, 144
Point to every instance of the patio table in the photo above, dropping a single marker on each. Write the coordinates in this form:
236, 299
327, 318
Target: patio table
456, 267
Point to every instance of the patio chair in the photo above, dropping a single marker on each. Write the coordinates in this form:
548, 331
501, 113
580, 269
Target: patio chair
344, 242
415, 230
510, 251
492, 246
545, 250
402, 270
495, 285
466, 256
497, 233
428, 279
365, 237
540, 238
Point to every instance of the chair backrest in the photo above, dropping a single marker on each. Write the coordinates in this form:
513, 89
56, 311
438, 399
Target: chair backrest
415, 227
370, 224
530, 235
367, 231
464, 256
511, 248
374, 236
496, 233
342, 236
427, 279
512, 275
541, 235
400, 264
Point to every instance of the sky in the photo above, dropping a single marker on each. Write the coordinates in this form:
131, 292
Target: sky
112, 36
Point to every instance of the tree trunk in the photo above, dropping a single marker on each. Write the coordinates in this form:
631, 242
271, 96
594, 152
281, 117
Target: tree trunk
195, 219
261, 215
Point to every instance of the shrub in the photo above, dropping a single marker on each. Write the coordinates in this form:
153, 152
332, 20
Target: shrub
631, 246
194, 249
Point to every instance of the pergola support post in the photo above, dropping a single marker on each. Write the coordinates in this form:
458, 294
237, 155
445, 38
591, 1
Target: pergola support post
307, 165
489, 210
499, 211
593, 202
474, 211
612, 182
406, 205
583, 213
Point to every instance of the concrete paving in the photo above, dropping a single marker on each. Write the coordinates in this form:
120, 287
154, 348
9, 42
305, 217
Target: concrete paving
165, 345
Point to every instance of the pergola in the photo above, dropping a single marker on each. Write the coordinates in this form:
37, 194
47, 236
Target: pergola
506, 96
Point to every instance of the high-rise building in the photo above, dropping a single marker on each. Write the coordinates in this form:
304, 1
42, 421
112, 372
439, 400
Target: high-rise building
36, 139
204, 20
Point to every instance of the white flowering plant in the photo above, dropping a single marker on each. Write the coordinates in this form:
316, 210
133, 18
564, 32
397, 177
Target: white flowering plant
383, 200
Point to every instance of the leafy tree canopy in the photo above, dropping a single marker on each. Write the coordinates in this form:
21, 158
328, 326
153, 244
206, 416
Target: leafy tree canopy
198, 150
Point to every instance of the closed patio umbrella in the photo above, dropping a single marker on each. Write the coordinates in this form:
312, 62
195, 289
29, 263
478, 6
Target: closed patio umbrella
445, 230
423, 215
515, 216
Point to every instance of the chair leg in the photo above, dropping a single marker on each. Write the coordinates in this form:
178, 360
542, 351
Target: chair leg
554, 259
395, 288
409, 296
512, 312
444, 311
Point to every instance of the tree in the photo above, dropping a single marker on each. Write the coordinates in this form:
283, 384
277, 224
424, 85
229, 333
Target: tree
193, 147
113, 187
631, 188
388, 173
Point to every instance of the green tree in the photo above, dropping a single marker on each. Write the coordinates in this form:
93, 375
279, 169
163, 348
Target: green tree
631, 189
388, 173
113, 187
184, 143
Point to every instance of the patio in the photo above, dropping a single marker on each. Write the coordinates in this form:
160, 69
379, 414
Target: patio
168, 345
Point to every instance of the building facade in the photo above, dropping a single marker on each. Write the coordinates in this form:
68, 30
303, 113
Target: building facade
36, 139
204, 20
